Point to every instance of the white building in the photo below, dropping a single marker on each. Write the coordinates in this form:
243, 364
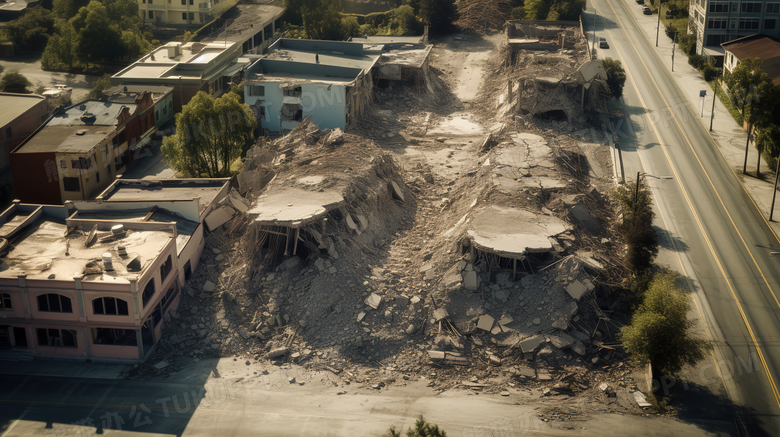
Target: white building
327, 80
716, 22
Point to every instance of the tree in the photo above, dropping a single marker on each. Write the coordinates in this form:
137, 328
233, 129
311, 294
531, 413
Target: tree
100, 85
660, 332
637, 226
31, 31
421, 429
616, 76
322, 20
67, 9
98, 38
210, 135
768, 144
553, 9
439, 15
61, 50
749, 87
123, 12
14, 82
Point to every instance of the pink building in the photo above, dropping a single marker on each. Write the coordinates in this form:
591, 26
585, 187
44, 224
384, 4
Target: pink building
94, 280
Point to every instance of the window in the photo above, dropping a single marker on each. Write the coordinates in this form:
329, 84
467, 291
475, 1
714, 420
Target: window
82, 163
54, 303
292, 112
192, 14
294, 91
184, 2
118, 139
151, 13
70, 184
165, 110
751, 8
772, 8
734, 6
168, 297
183, 14
257, 90
56, 337
9, 134
157, 315
770, 24
733, 24
716, 23
748, 23
119, 161
114, 337
5, 301
97, 176
191, 2
165, 268
719, 7
63, 164
110, 306
148, 292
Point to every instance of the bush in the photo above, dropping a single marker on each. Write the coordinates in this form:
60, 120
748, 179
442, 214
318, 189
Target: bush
616, 76
686, 43
14, 82
421, 429
696, 61
637, 226
660, 332
709, 72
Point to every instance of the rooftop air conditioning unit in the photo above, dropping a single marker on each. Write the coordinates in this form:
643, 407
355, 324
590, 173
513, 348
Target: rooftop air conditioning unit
174, 50
108, 265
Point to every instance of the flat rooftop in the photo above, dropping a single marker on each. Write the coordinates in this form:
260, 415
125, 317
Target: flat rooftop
13, 106
175, 60
123, 190
387, 39
65, 139
244, 21
129, 93
41, 252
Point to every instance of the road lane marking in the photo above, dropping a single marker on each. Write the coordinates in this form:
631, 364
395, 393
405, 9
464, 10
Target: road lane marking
690, 204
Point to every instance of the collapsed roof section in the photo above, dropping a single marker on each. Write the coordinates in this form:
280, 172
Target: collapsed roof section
513, 233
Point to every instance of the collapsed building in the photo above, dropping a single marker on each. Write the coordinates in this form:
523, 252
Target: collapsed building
550, 73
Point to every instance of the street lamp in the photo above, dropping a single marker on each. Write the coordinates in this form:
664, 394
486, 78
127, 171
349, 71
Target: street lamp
638, 179
658, 26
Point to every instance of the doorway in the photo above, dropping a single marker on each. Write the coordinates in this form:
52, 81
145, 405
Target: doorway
20, 337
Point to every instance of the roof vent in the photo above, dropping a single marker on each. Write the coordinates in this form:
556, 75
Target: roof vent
81, 132
134, 265
82, 106
117, 229
108, 265
87, 117
121, 250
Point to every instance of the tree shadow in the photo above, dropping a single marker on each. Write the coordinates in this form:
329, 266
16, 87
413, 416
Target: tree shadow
669, 241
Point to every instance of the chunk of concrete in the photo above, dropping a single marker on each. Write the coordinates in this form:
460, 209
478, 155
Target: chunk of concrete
581, 213
561, 341
396, 191
640, 399
576, 289
352, 225
485, 323
470, 281
578, 348
363, 221
452, 279
502, 295
209, 286
374, 300
218, 217
361, 315
531, 343
507, 319
440, 313
238, 204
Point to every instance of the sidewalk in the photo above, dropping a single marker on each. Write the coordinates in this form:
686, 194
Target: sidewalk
71, 369
727, 134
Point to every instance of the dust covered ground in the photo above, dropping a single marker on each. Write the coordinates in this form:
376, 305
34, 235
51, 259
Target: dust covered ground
390, 289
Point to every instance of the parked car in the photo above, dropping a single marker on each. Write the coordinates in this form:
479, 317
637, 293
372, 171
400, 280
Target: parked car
603, 43
647, 11
57, 91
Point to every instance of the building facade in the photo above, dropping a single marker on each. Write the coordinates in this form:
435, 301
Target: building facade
94, 280
177, 12
20, 115
716, 22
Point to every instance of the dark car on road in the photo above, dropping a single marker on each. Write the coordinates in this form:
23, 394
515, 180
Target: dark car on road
603, 44
647, 11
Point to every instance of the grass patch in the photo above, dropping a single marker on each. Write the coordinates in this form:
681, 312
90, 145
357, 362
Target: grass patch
724, 98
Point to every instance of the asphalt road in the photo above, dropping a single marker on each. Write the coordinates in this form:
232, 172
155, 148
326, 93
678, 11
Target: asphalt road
30, 67
53, 406
722, 241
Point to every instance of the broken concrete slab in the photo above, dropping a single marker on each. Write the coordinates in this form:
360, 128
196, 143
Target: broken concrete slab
161, 365
530, 344
581, 213
501, 295
209, 286
561, 340
361, 315
485, 323
374, 300
640, 399
576, 289
512, 232
578, 348
471, 281
452, 279
288, 206
507, 319
439, 314
238, 204
218, 217
448, 358
396, 191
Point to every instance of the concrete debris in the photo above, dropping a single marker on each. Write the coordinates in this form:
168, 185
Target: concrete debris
361, 315
561, 340
218, 217
530, 344
448, 358
581, 213
209, 286
471, 281
161, 365
640, 399
374, 300
576, 290
439, 314
278, 352
397, 193
507, 319
485, 323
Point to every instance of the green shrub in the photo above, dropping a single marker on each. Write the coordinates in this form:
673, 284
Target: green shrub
709, 72
696, 61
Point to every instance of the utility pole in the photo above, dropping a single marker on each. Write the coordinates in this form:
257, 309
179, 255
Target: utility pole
714, 96
658, 26
747, 147
636, 192
673, 43
774, 192
595, 12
